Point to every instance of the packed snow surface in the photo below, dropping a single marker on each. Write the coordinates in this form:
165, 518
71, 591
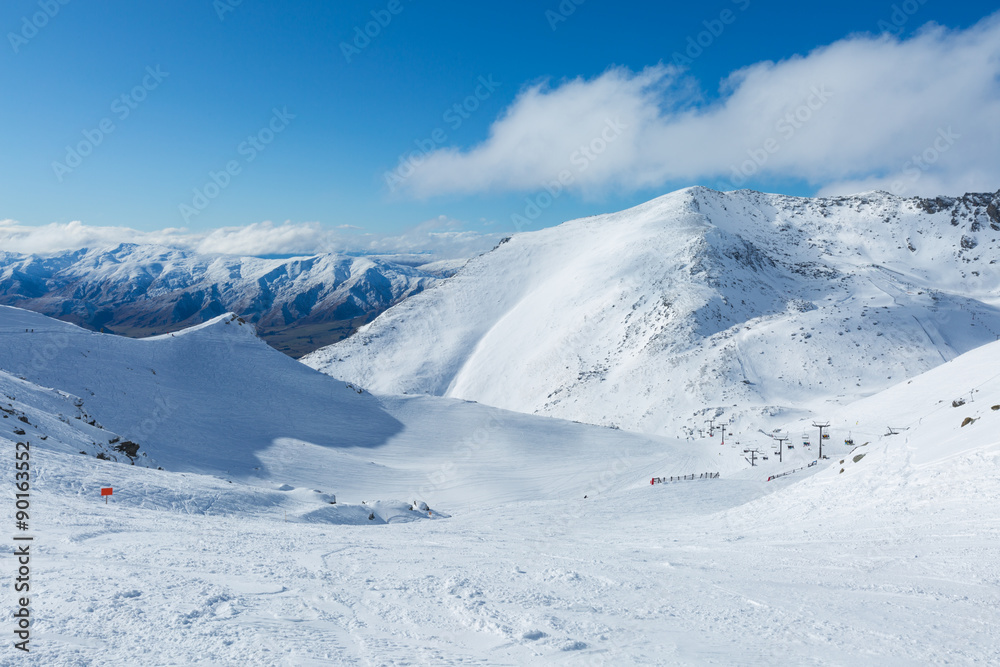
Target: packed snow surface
460, 532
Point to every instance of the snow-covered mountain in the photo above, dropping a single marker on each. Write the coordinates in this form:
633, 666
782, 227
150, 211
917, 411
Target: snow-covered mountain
297, 304
695, 305
215, 399
557, 549
266, 513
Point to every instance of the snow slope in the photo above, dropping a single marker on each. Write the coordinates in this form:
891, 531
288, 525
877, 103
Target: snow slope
698, 304
928, 444
215, 399
145, 289
891, 562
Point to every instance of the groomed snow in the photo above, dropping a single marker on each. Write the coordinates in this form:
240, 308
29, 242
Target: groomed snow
233, 553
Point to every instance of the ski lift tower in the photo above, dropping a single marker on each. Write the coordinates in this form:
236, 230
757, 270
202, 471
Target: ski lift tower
781, 440
821, 427
725, 427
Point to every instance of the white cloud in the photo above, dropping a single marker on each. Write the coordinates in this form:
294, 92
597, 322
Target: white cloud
848, 116
438, 239
441, 236
58, 237
267, 238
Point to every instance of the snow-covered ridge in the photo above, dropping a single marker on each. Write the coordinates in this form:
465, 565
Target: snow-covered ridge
697, 304
297, 304
215, 399
556, 544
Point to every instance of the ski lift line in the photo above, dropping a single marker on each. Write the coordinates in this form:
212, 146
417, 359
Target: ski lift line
656, 464
934, 345
681, 478
947, 404
789, 472
943, 405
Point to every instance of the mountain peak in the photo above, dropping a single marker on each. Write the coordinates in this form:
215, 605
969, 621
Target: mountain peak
696, 301
226, 324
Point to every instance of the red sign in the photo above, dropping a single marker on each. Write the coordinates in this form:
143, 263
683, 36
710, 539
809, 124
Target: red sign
106, 491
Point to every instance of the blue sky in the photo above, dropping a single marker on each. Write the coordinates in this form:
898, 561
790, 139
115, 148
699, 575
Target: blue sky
326, 115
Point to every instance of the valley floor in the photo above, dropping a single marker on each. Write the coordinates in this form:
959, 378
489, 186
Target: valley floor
642, 575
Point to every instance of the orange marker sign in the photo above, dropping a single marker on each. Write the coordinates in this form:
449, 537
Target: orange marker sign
106, 491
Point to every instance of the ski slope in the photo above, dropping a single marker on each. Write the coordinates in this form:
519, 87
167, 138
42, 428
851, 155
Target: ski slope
698, 304
215, 399
233, 554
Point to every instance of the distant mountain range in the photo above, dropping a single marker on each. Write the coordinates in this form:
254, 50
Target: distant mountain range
297, 304
698, 305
